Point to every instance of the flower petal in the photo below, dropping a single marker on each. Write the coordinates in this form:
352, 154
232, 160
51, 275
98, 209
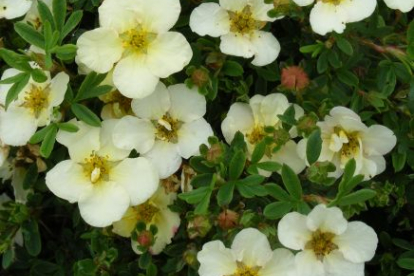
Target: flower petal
118, 15
216, 260
239, 118
260, 10
58, 87
80, 144
303, 2
154, 106
282, 263
192, 135
402, 5
288, 155
67, 180
104, 204
358, 10
169, 53
108, 147
165, 158
358, 243
158, 16
308, 265
17, 125
336, 265
234, 5
210, 19
99, 49
187, 104
378, 140
167, 224
133, 133
126, 225
266, 48
327, 17
133, 78
327, 220
237, 45
14, 8
293, 232
272, 106
138, 177
251, 247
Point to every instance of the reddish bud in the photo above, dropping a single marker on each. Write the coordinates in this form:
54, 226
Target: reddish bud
294, 78
228, 219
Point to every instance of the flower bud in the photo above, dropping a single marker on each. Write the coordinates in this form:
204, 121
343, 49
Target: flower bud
294, 78
228, 219
198, 226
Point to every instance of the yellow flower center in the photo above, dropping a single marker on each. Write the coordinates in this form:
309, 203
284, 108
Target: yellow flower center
120, 105
137, 40
36, 99
97, 168
244, 270
167, 129
146, 212
243, 22
334, 2
256, 135
321, 243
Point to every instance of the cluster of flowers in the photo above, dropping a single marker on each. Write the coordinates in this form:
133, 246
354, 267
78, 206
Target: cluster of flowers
135, 47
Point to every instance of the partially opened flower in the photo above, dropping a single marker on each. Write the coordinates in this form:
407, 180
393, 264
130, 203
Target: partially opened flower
99, 176
134, 39
155, 212
345, 137
168, 126
10, 9
32, 109
252, 119
250, 254
328, 243
238, 23
402, 5
332, 15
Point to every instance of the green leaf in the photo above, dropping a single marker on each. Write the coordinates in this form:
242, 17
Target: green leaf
344, 46
68, 127
85, 114
48, 142
322, 63
95, 92
250, 186
277, 192
410, 32
40, 135
269, 166
31, 176
347, 77
29, 34
16, 89
16, 61
314, 146
236, 165
406, 263
65, 52
145, 260
291, 182
202, 206
225, 194
38, 75
258, 152
276, 210
14, 79
46, 14
232, 68
31, 237
198, 164
91, 81
356, 197
403, 244
195, 196
398, 160
71, 23
8, 258
59, 13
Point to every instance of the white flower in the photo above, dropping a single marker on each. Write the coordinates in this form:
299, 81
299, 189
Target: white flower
238, 23
402, 5
250, 254
329, 244
133, 34
99, 176
33, 108
169, 126
33, 16
4, 153
10, 9
155, 211
332, 15
252, 119
345, 136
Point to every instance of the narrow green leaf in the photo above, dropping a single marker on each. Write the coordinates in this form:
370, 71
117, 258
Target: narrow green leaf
8, 258
356, 197
195, 196
71, 23
348, 77
59, 13
38, 75
269, 166
236, 165
225, 194
45, 14
14, 79
398, 160
85, 114
16, 61
48, 142
31, 237
65, 52
410, 32
40, 135
16, 89
232, 68
277, 192
406, 263
291, 182
202, 206
29, 34
314, 146
322, 63
258, 152
68, 127
344, 46
276, 210
91, 81
95, 92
